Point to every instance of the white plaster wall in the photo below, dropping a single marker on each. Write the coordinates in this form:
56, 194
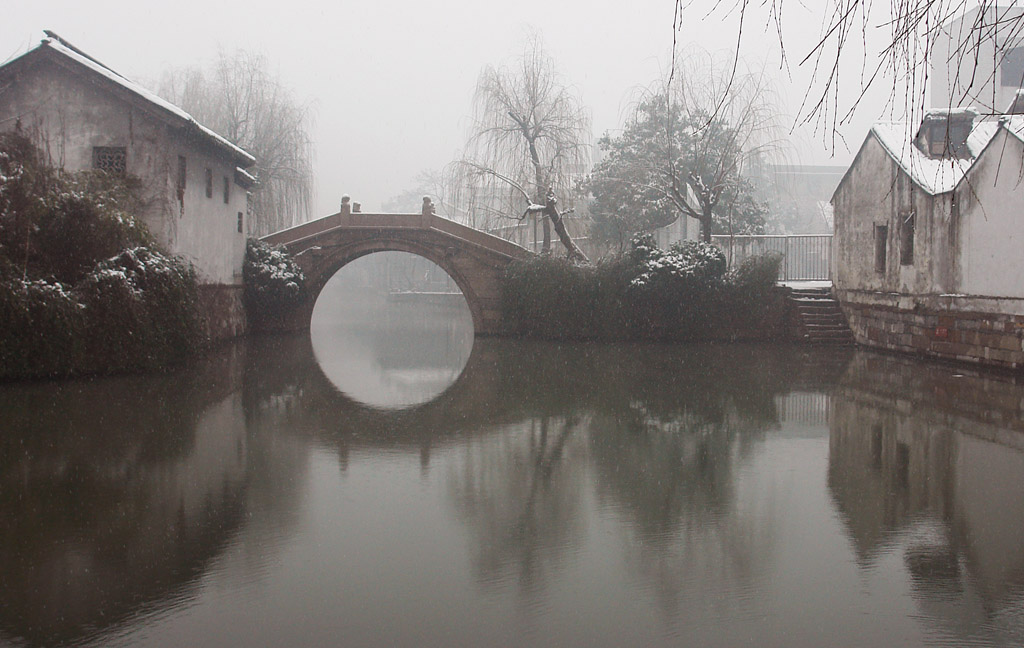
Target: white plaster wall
862, 200
876, 192
69, 115
991, 261
205, 229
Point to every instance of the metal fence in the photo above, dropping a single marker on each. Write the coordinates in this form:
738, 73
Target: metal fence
804, 257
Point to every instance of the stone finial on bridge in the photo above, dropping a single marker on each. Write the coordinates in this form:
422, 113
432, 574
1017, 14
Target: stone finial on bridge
346, 205
428, 212
428, 206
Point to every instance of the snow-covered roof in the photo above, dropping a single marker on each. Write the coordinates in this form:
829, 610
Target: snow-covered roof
1014, 124
244, 178
933, 175
61, 47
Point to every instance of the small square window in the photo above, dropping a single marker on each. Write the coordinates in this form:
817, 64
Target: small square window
209, 183
112, 159
227, 190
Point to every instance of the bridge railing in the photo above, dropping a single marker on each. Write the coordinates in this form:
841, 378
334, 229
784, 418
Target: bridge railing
427, 219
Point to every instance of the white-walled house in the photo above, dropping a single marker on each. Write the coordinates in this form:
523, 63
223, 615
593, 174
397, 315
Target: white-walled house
84, 115
928, 239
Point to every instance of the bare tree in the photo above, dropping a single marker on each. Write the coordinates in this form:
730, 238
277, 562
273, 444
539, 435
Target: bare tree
910, 30
243, 101
531, 139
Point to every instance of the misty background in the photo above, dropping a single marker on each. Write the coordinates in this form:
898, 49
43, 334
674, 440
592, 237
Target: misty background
390, 84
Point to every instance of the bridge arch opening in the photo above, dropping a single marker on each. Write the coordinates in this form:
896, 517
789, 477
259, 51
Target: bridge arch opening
391, 329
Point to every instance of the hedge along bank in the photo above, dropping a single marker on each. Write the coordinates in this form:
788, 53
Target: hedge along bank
682, 293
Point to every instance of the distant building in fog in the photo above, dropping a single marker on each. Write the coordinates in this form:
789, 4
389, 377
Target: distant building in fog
801, 195
977, 60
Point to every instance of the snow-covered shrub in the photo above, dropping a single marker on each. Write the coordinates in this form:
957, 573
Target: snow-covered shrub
82, 288
682, 293
55, 224
142, 310
675, 292
40, 326
274, 283
686, 265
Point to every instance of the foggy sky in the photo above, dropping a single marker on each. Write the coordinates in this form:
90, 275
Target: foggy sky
391, 82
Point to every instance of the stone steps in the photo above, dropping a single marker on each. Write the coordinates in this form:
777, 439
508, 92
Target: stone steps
818, 317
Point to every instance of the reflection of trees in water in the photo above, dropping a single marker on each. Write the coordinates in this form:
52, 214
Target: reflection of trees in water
928, 461
672, 477
663, 431
663, 428
519, 493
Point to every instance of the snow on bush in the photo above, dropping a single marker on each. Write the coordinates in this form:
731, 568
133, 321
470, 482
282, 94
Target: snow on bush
681, 293
274, 282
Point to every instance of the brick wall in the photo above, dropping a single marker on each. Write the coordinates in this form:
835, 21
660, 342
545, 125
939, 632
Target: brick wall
965, 335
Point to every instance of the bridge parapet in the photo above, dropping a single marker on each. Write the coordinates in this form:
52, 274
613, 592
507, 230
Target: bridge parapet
426, 220
475, 260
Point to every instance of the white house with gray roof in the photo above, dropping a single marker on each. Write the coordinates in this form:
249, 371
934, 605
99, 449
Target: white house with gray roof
929, 228
85, 115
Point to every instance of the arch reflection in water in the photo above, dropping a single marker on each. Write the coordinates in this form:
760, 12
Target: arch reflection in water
392, 330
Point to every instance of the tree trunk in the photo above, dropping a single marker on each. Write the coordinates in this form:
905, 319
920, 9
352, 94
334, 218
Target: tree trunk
575, 253
705, 228
542, 185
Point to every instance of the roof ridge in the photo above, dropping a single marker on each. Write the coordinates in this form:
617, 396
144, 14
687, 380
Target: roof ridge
66, 43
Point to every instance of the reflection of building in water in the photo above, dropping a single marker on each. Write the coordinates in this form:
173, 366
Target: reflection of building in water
931, 464
116, 495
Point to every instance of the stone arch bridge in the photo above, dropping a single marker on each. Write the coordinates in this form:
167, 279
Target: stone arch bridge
475, 260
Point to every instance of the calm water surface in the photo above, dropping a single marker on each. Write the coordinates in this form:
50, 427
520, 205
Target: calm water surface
395, 484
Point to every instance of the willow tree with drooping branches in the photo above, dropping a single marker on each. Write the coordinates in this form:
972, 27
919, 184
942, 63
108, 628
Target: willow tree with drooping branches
242, 100
530, 141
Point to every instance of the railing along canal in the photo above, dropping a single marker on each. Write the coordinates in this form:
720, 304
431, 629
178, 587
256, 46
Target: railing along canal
804, 257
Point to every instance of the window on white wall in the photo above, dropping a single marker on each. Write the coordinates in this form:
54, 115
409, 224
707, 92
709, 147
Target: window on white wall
881, 243
182, 175
907, 238
227, 190
112, 159
209, 183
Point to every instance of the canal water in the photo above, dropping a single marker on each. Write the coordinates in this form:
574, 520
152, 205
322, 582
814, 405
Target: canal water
387, 481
